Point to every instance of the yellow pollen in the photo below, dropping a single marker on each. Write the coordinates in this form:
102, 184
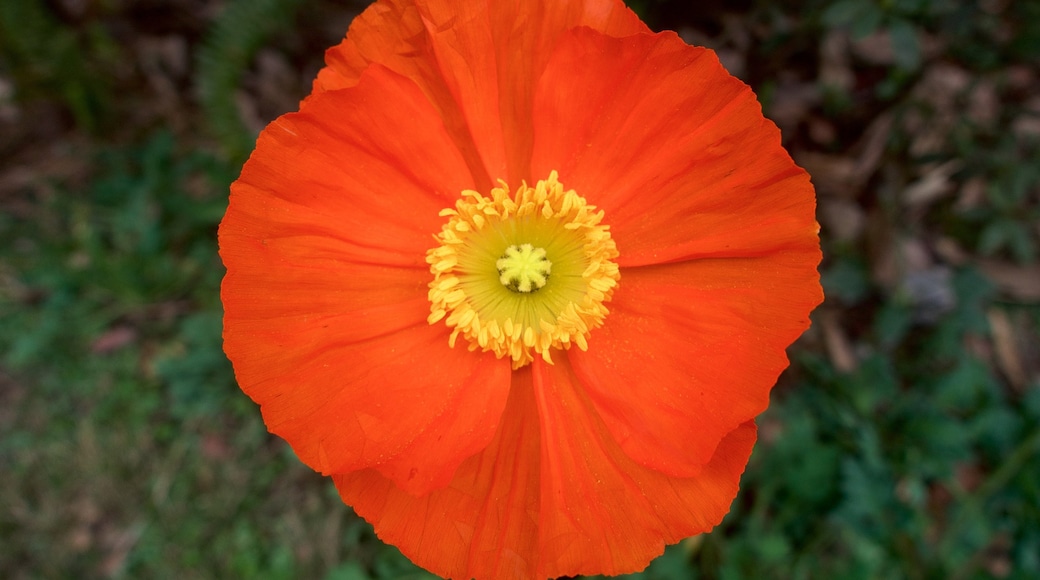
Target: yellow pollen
523, 268
491, 271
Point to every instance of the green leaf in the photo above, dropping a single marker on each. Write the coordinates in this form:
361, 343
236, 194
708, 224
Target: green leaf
847, 280
892, 323
905, 45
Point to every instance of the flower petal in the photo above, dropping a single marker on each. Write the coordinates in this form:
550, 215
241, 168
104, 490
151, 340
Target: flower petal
671, 147
477, 61
485, 522
324, 173
551, 495
325, 297
691, 350
602, 512
404, 403
525, 35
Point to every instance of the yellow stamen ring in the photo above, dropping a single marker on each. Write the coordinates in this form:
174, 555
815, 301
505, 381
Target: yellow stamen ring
491, 270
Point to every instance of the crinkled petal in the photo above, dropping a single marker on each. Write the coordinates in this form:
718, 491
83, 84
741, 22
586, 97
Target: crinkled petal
693, 178
691, 350
484, 523
325, 296
552, 495
362, 172
404, 404
477, 61
672, 148
602, 512
525, 35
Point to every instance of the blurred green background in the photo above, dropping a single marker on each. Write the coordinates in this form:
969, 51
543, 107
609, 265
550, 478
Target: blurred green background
903, 442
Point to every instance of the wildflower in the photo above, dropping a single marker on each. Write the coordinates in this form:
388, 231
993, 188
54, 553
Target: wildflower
519, 276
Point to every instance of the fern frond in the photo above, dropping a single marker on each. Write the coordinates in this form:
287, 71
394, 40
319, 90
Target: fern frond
232, 42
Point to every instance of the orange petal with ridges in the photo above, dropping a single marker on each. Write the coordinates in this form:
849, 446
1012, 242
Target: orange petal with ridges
484, 523
393, 33
371, 196
402, 403
526, 35
672, 148
691, 350
552, 495
476, 61
602, 512
325, 296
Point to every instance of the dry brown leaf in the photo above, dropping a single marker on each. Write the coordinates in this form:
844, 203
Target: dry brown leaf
833, 175
1004, 344
896, 256
969, 475
1019, 77
118, 545
791, 103
8, 109
11, 396
845, 175
734, 61
821, 130
875, 48
950, 251
941, 87
871, 147
38, 168
942, 83
835, 69
972, 195
839, 348
984, 103
843, 220
113, 339
978, 347
932, 185
1017, 281
1027, 123
165, 63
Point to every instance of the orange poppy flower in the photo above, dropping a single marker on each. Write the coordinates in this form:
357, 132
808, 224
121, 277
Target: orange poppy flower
519, 276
